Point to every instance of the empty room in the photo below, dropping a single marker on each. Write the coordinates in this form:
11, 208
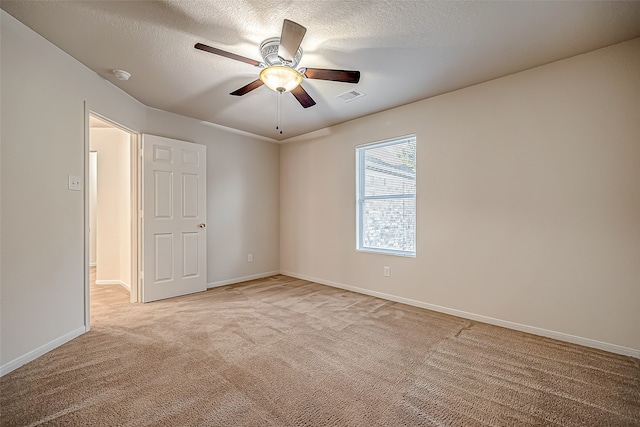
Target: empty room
329, 213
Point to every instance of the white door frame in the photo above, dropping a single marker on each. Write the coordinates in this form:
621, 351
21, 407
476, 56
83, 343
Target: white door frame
136, 206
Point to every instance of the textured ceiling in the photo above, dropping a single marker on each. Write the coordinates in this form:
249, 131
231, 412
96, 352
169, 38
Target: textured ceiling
405, 50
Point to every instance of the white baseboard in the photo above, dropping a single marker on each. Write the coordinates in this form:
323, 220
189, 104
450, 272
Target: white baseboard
92, 264
561, 336
34, 354
241, 279
114, 282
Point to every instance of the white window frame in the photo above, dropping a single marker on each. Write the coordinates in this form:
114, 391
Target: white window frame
361, 197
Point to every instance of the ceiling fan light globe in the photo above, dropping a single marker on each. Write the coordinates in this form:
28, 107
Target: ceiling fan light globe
280, 78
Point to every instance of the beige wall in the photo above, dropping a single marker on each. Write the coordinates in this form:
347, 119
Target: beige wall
42, 230
93, 206
42, 227
528, 201
113, 222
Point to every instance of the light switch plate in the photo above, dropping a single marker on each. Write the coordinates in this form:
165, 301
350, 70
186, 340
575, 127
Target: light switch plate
75, 183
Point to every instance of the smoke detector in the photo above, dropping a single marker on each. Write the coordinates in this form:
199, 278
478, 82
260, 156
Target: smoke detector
122, 75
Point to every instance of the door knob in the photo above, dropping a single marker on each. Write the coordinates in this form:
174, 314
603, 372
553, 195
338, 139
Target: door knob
202, 225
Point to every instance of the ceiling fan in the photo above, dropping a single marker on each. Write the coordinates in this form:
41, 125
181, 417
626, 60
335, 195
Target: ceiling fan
280, 59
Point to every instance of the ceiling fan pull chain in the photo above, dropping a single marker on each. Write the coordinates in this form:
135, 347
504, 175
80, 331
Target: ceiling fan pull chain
279, 112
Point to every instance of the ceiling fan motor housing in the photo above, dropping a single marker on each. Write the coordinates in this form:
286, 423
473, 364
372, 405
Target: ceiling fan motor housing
269, 52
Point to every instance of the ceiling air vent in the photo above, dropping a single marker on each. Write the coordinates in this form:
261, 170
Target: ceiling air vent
350, 95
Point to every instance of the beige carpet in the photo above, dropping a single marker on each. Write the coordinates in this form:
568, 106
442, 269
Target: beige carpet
287, 352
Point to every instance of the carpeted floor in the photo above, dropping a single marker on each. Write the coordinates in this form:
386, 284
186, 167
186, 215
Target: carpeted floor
287, 352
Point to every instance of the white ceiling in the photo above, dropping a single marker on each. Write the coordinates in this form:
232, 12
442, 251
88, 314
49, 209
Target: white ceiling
405, 50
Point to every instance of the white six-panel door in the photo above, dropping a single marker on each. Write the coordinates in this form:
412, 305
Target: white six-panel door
174, 212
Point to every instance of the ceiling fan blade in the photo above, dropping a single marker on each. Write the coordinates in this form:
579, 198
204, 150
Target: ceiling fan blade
226, 54
303, 97
290, 39
247, 88
333, 75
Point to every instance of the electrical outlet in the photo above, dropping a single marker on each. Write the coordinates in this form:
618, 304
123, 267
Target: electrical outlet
75, 183
250, 258
387, 272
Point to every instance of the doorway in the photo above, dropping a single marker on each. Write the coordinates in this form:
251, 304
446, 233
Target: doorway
113, 194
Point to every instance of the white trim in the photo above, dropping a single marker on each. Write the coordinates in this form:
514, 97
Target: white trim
135, 292
93, 264
561, 336
228, 129
86, 206
136, 192
362, 197
390, 141
114, 282
34, 354
241, 279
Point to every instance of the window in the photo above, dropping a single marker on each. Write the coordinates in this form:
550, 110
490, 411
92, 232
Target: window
386, 196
